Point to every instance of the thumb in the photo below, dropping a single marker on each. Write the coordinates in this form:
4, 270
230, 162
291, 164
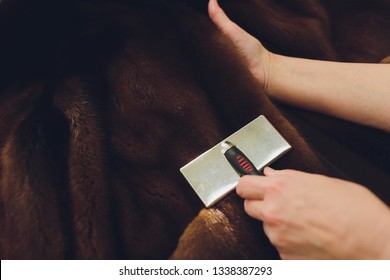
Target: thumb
222, 21
268, 171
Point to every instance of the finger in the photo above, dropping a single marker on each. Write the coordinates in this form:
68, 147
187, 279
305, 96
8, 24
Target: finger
254, 208
217, 15
253, 187
222, 21
268, 171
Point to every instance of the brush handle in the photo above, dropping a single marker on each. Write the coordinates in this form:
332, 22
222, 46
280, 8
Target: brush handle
240, 162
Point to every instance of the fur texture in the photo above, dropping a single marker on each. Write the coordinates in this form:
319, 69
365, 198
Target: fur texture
101, 103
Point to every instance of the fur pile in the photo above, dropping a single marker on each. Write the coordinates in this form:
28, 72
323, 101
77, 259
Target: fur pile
101, 103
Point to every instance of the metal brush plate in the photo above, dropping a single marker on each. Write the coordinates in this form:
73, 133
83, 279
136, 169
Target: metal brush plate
210, 174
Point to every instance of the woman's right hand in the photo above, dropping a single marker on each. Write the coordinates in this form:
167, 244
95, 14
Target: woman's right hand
258, 58
310, 216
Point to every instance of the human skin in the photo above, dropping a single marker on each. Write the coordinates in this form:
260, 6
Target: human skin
358, 92
311, 216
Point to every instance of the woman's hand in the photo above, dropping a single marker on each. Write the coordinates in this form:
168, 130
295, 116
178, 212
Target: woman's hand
338, 89
308, 216
258, 58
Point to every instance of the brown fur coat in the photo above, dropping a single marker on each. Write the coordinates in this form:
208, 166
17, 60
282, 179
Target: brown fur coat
101, 103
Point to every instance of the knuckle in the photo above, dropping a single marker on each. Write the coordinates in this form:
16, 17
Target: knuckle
279, 184
276, 233
248, 207
242, 184
274, 215
239, 190
272, 218
276, 238
251, 209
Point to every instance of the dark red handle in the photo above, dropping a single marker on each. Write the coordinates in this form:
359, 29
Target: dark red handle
240, 162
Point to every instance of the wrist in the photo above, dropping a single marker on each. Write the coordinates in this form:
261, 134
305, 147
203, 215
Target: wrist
270, 73
269, 68
262, 69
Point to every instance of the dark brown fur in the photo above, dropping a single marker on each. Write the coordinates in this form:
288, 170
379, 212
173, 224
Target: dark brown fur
101, 103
